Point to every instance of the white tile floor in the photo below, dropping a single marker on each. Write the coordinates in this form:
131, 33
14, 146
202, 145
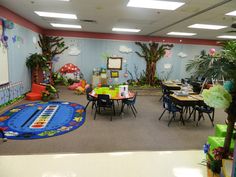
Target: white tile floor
119, 164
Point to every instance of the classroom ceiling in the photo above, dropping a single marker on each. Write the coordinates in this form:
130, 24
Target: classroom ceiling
106, 14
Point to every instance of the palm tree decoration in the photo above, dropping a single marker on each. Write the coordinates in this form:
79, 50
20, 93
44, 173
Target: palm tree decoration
36, 62
51, 46
152, 52
221, 65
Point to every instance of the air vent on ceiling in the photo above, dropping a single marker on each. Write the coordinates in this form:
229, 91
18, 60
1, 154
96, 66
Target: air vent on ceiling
88, 21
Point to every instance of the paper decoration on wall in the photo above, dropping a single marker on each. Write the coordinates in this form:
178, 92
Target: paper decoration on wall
73, 51
125, 49
182, 55
3, 37
114, 74
34, 39
167, 66
16, 38
168, 54
126, 74
8, 24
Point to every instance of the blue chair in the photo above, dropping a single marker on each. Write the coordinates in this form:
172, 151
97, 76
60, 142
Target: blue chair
130, 104
169, 106
90, 98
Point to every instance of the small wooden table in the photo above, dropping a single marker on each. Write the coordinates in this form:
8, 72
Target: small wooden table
186, 101
171, 86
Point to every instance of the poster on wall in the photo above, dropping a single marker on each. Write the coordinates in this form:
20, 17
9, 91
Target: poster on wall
114, 63
4, 75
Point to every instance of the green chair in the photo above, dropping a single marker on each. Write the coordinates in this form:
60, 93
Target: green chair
221, 130
218, 142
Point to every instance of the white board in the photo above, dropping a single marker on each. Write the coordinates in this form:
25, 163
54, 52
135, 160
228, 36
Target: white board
4, 75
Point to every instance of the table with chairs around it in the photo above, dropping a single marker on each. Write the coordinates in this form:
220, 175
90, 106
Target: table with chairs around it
179, 98
105, 97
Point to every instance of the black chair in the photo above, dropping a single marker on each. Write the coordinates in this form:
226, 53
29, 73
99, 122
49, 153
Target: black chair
90, 98
3, 135
169, 106
130, 104
207, 110
165, 91
104, 101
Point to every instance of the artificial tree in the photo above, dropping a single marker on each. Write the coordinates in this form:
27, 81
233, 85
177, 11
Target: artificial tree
36, 62
51, 46
152, 52
219, 66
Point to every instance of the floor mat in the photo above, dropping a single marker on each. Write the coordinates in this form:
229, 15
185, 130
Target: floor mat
42, 120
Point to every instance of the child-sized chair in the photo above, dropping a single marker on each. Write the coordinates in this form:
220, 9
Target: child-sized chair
36, 92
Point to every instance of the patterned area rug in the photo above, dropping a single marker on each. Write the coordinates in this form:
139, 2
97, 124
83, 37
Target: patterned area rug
41, 120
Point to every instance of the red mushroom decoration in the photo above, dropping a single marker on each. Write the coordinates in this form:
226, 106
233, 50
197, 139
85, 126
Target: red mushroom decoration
69, 68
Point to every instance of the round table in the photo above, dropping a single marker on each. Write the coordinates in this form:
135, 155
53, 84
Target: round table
114, 93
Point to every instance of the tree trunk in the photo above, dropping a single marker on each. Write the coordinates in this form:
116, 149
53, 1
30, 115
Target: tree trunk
150, 73
231, 121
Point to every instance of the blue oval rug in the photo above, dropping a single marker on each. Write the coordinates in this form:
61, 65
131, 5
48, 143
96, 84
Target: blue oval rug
41, 120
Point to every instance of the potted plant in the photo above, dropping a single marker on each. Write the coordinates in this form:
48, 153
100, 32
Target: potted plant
49, 93
218, 66
35, 62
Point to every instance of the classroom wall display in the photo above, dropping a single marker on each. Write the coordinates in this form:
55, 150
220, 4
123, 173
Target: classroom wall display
114, 74
4, 73
114, 63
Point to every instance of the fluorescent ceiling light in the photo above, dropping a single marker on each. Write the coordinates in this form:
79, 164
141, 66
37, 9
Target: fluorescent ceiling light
126, 30
152, 4
56, 15
207, 26
181, 34
233, 13
227, 37
58, 25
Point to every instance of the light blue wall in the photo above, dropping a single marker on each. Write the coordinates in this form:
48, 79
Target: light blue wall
18, 51
93, 49
91, 56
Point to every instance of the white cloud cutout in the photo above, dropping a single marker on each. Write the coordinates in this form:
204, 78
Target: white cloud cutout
125, 49
167, 66
182, 55
74, 51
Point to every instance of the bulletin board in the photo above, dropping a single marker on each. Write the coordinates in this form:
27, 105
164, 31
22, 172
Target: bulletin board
4, 74
114, 63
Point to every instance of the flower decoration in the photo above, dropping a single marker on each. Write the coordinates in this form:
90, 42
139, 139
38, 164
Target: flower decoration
217, 97
214, 157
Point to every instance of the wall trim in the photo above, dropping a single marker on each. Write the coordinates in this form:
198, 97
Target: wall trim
10, 15
129, 37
